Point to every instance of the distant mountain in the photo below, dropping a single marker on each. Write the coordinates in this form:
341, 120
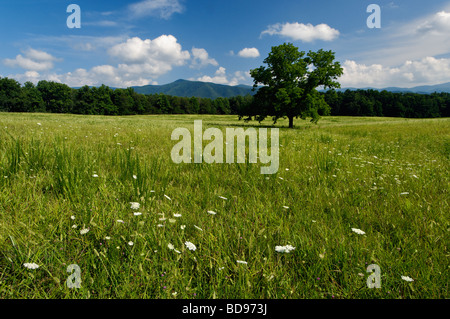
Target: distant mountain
187, 88
424, 89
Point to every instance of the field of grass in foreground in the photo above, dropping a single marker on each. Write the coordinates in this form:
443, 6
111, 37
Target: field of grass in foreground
63, 175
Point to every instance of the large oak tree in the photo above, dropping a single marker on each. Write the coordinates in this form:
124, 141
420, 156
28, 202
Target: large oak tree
289, 84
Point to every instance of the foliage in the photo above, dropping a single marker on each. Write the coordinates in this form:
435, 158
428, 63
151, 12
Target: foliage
290, 81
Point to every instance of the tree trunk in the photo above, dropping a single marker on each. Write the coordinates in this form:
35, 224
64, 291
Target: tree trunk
291, 121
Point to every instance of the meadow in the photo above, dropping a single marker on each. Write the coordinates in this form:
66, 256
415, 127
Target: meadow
103, 193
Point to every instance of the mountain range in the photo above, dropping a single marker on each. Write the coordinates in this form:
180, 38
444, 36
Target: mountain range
185, 88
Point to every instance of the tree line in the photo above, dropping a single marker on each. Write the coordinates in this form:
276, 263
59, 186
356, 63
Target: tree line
54, 97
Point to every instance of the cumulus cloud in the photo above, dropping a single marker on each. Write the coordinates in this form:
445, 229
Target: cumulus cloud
139, 62
200, 58
221, 77
32, 60
304, 32
162, 8
249, 53
428, 70
439, 23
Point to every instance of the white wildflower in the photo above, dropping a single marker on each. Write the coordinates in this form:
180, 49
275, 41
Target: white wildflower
95, 175
137, 214
183, 226
406, 278
31, 265
358, 231
120, 221
72, 217
211, 212
284, 249
241, 262
198, 228
135, 205
130, 243
223, 197
190, 246
74, 226
170, 246
167, 197
176, 215
134, 176
84, 231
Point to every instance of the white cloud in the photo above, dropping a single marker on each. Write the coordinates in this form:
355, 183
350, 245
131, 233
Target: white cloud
439, 23
162, 8
304, 32
425, 36
200, 58
428, 70
140, 62
162, 52
33, 60
249, 53
221, 77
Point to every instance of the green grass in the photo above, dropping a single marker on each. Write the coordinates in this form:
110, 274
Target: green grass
388, 177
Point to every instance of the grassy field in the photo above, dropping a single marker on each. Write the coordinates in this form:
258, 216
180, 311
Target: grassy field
67, 181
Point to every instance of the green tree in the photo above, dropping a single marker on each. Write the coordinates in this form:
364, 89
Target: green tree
32, 99
57, 96
11, 99
290, 81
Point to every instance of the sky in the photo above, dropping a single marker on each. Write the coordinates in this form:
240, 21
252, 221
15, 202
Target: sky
134, 43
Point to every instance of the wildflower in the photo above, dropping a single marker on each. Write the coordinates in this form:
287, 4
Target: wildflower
120, 221
137, 214
404, 193
176, 215
167, 197
95, 175
135, 205
107, 237
190, 246
174, 293
39, 124
177, 251
130, 243
170, 246
198, 228
74, 226
223, 197
241, 262
160, 225
287, 207
358, 231
171, 220
284, 249
211, 212
406, 278
31, 265
72, 217
183, 226
84, 231
134, 176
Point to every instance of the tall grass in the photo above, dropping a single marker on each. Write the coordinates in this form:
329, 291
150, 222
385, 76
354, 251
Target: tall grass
387, 177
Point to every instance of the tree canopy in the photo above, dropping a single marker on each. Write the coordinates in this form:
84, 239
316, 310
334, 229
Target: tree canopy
289, 84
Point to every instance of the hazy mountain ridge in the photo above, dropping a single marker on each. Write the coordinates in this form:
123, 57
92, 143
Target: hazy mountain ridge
186, 88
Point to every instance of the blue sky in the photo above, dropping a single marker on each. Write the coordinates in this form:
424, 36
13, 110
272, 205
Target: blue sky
125, 43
